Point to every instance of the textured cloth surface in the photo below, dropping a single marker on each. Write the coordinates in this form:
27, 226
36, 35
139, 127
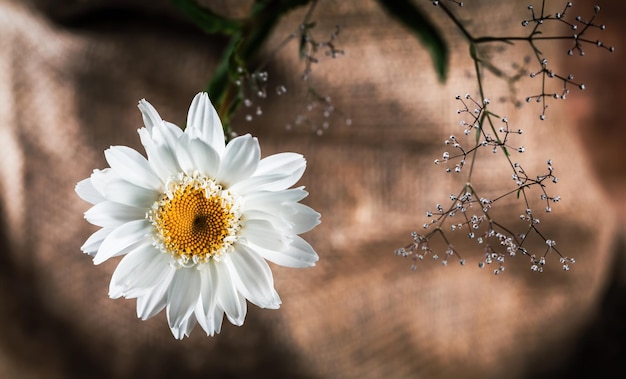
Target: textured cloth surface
70, 79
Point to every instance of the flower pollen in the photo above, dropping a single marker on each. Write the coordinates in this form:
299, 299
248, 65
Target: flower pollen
195, 220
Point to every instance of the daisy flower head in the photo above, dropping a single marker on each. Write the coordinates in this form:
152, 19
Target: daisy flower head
196, 221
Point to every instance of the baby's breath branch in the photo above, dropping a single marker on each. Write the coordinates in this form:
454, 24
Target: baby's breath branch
475, 210
296, 34
470, 212
580, 29
420, 248
481, 116
247, 85
310, 49
264, 16
247, 36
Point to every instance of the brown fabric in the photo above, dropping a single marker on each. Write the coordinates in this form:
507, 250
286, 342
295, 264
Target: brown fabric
70, 78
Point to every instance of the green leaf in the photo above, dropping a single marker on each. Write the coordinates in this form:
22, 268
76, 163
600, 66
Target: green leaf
206, 19
219, 81
246, 38
419, 24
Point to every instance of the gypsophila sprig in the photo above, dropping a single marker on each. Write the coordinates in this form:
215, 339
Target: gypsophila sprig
318, 109
469, 211
579, 28
197, 220
236, 72
472, 214
252, 89
310, 48
553, 85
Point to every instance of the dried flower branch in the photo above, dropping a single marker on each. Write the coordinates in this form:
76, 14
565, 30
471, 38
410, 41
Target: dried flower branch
253, 85
472, 213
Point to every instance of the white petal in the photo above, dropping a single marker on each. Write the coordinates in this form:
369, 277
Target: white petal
151, 275
211, 323
269, 200
129, 266
298, 255
264, 234
203, 321
132, 167
240, 160
160, 157
203, 122
161, 132
257, 183
121, 191
86, 191
205, 309
94, 241
205, 157
281, 208
182, 296
288, 166
253, 277
159, 138
302, 217
101, 178
278, 222
281, 163
110, 214
155, 300
185, 328
286, 181
169, 134
218, 318
272, 182
139, 271
228, 298
121, 238
184, 158
194, 155
151, 117
208, 292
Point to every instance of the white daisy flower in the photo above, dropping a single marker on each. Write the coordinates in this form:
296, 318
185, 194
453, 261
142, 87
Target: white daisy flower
197, 220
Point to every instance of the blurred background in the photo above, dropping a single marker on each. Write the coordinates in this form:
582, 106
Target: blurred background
71, 73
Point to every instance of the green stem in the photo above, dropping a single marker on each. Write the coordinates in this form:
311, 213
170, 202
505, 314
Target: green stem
247, 38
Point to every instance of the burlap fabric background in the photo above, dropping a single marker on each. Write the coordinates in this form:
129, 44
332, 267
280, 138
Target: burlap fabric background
70, 78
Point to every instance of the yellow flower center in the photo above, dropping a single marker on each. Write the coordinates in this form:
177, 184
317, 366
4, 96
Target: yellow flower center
195, 220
